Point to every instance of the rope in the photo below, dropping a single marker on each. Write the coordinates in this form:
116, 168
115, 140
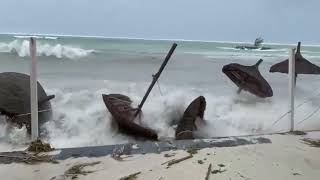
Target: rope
304, 102
313, 113
159, 88
186, 131
154, 76
120, 99
45, 110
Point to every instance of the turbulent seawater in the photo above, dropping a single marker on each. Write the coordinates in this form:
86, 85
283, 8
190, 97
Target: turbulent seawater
78, 70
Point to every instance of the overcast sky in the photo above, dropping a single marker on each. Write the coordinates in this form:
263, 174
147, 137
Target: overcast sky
284, 21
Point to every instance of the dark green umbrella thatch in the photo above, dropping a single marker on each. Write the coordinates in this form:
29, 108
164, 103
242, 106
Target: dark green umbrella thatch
15, 99
248, 78
302, 65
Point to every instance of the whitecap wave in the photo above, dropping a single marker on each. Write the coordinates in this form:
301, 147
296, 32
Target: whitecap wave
82, 119
21, 48
33, 36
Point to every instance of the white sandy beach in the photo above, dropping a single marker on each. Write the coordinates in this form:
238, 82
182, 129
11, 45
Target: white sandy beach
287, 157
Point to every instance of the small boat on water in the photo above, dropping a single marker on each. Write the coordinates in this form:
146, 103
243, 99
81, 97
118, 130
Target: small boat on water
257, 45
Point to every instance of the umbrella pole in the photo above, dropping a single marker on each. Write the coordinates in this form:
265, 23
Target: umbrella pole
292, 79
155, 78
33, 91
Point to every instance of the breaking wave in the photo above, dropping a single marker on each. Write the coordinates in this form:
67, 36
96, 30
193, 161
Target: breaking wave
37, 37
21, 48
82, 119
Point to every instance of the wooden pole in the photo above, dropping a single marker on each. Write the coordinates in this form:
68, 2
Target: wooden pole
155, 78
33, 90
292, 77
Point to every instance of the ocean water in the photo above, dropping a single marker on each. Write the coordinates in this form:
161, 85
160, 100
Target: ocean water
79, 69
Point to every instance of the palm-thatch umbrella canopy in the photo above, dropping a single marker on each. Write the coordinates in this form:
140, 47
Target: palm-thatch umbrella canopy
123, 114
15, 99
248, 78
187, 124
302, 65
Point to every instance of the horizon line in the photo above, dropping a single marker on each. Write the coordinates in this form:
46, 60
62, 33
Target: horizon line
147, 39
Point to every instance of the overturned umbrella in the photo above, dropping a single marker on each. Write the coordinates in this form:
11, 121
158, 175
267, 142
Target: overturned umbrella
120, 107
187, 124
248, 78
15, 99
302, 65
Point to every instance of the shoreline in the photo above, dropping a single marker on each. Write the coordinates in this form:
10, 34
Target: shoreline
286, 157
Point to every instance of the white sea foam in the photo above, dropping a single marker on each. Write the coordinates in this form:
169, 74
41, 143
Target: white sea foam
21, 48
35, 36
81, 118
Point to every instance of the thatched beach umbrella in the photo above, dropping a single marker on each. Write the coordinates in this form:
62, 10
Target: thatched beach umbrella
187, 124
15, 99
302, 65
248, 78
123, 114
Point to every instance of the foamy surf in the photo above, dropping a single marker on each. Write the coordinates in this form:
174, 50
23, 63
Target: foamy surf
35, 36
82, 119
21, 48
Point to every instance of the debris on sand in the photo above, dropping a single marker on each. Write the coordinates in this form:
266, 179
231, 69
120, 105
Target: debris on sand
311, 142
200, 162
131, 176
76, 170
216, 171
242, 176
39, 146
29, 158
221, 165
298, 133
169, 155
121, 157
192, 151
296, 174
175, 161
208, 172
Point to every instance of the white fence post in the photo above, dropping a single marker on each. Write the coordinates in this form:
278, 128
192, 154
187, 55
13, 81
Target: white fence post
291, 86
34, 90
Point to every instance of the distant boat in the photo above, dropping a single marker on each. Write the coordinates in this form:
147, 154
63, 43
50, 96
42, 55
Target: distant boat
257, 45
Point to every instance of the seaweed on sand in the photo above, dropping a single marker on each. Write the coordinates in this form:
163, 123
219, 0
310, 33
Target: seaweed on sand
312, 142
39, 146
76, 170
